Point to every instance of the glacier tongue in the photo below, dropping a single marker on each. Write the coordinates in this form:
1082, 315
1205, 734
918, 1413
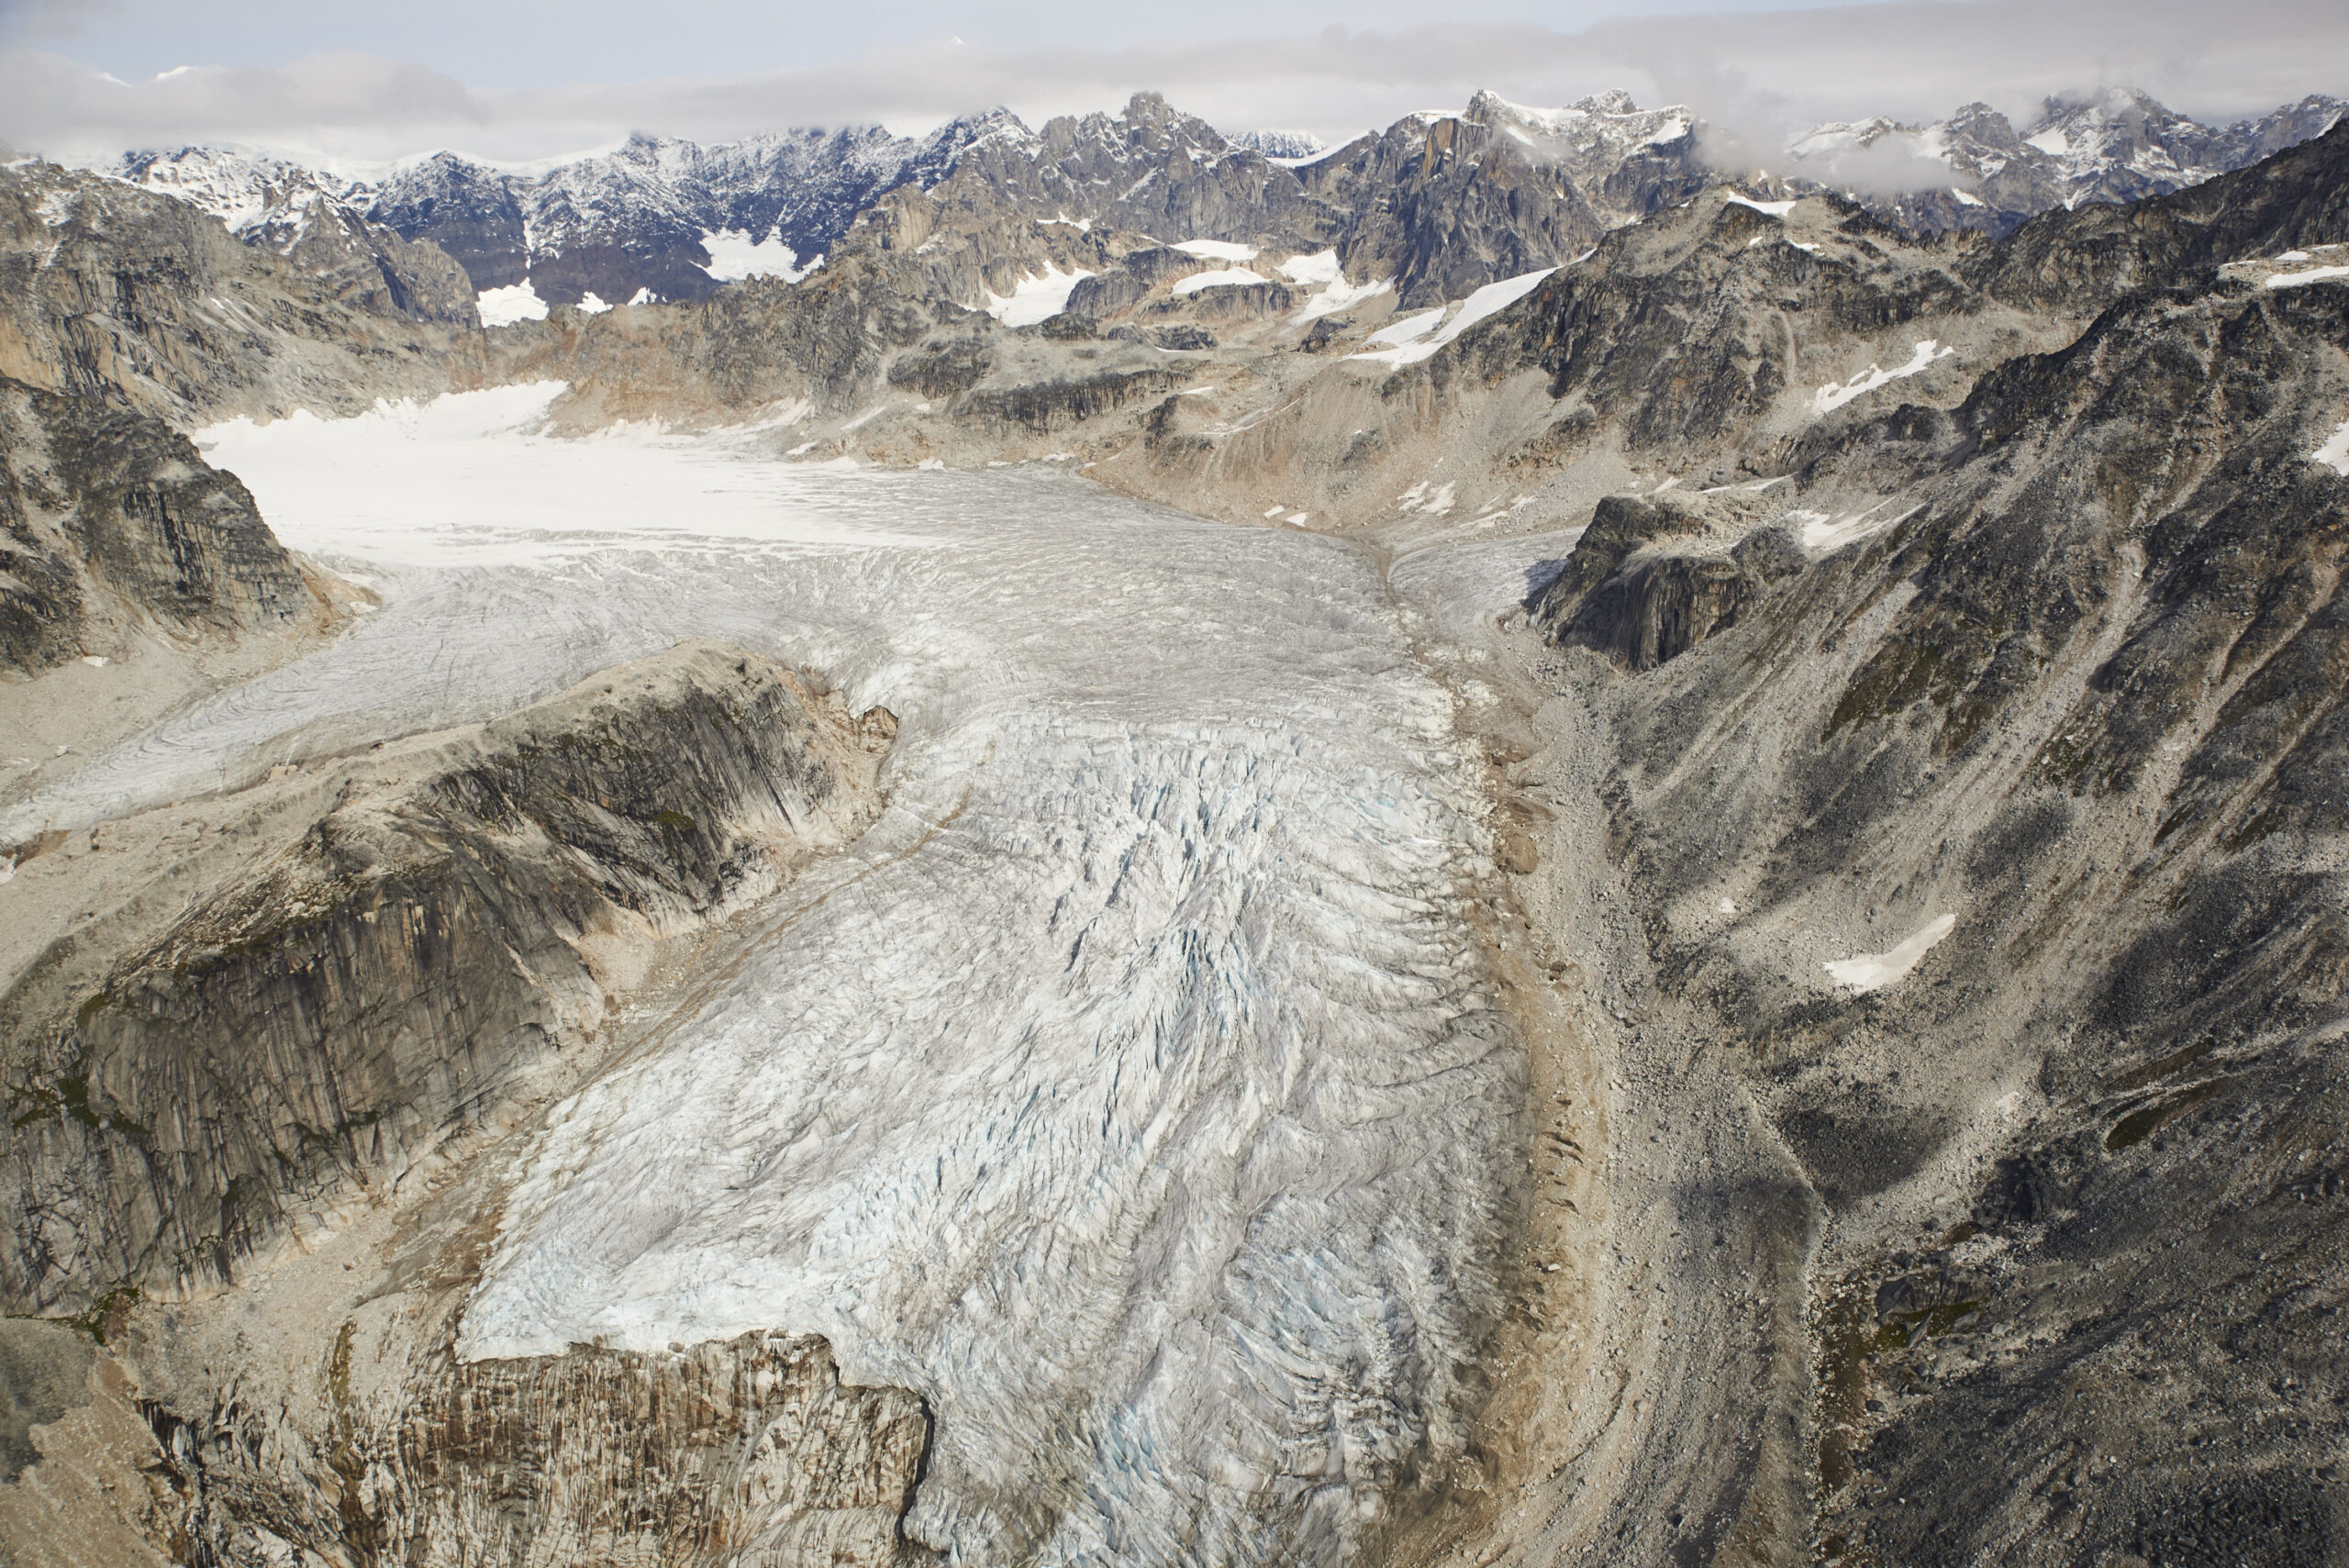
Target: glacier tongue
1130, 1091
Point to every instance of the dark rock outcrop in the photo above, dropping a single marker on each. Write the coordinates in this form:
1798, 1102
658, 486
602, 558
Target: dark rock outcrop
107, 514
1649, 580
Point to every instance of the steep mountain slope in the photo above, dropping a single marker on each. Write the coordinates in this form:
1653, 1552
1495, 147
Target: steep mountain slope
1959, 768
659, 218
315, 222
106, 515
136, 298
1444, 205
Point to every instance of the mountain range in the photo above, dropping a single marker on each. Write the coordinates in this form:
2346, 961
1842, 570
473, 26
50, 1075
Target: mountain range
1441, 202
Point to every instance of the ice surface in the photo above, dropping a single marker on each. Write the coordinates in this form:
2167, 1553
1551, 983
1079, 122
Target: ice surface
1035, 299
1217, 250
1822, 532
2308, 275
1130, 1090
1835, 394
1228, 277
1874, 972
1775, 209
514, 302
1319, 268
1410, 327
1332, 293
2335, 454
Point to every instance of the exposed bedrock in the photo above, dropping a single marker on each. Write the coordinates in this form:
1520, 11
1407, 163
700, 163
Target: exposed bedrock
354, 998
130, 296
1648, 580
107, 516
747, 1452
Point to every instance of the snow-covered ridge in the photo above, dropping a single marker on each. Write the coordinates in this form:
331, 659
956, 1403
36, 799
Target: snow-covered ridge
2117, 145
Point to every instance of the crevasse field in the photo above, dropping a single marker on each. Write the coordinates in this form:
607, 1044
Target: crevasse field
1130, 1091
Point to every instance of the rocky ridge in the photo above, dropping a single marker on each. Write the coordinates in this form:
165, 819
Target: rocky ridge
111, 516
140, 300
316, 222
454, 916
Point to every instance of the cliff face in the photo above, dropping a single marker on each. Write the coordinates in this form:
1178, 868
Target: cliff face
313, 222
741, 1452
120, 294
372, 988
110, 515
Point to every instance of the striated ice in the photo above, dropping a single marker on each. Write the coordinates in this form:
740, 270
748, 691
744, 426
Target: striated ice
1130, 1090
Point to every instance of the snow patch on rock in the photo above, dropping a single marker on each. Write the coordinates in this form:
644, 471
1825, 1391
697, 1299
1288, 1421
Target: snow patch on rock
1874, 972
514, 302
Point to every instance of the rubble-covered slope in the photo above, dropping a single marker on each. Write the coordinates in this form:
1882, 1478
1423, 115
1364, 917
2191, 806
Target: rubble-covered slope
1968, 790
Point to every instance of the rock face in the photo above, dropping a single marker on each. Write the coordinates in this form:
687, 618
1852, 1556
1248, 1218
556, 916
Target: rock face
742, 1452
640, 218
1444, 205
312, 220
374, 988
1648, 581
145, 301
107, 514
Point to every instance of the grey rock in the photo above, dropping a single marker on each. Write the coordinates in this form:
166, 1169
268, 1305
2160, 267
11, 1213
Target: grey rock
351, 1002
316, 223
107, 514
118, 293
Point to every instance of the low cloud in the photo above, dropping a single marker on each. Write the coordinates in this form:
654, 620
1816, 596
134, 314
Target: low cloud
1757, 77
1887, 167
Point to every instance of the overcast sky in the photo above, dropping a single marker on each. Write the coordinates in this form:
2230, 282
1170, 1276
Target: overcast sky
526, 79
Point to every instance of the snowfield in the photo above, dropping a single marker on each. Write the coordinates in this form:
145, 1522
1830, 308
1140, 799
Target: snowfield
1035, 299
1130, 1089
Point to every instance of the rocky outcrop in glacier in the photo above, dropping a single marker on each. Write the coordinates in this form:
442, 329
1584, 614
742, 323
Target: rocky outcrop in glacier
107, 516
370, 989
743, 1451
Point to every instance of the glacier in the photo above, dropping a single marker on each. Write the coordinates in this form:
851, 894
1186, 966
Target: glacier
1134, 1090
